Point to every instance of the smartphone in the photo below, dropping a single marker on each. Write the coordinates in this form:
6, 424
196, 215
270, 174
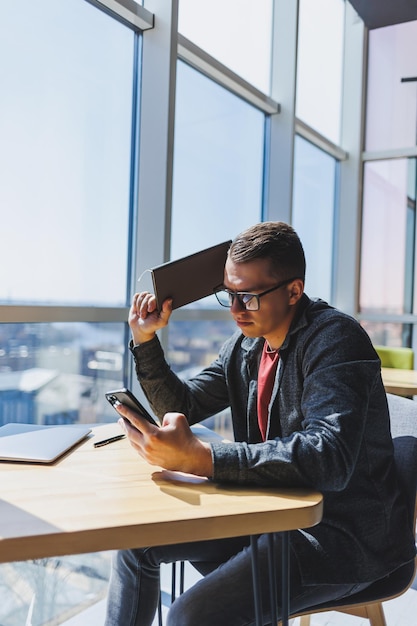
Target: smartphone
126, 397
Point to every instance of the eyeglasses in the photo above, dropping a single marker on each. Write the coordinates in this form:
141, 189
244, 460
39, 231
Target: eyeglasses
248, 301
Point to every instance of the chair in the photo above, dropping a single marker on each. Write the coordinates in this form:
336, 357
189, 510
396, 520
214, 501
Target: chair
368, 603
398, 358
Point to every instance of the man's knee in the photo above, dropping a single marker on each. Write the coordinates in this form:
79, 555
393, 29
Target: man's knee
181, 613
134, 559
195, 606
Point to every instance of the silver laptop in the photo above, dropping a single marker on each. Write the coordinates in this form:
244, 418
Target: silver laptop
33, 443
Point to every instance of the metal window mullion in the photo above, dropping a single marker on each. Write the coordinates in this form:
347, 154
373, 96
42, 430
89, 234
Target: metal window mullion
128, 12
279, 130
387, 318
320, 141
156, 136
394, 153
13, 314
221, 74
347, 237
156, 139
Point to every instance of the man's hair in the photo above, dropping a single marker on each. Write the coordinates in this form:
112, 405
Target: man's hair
275, 241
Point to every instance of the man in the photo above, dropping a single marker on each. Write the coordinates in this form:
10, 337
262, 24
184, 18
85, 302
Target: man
309, 409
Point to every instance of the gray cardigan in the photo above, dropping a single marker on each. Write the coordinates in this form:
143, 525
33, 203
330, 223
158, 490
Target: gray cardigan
328, 429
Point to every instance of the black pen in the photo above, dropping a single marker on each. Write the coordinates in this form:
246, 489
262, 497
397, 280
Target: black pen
104, 442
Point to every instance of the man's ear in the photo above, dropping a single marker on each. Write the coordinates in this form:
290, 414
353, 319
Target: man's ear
296, 290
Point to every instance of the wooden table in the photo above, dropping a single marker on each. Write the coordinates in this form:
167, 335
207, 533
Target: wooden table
106, 498
400, 382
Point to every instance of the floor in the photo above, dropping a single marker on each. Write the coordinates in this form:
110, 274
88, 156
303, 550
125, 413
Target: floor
401, 611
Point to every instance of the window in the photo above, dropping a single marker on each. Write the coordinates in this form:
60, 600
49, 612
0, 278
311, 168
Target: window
52, 591
218, 164
313, 214
320, 65
58, 373
387, 238
195, 345
391, 121
387, 270
67, 73
66, 127
78, 202
236, 32
65, 124
388, 248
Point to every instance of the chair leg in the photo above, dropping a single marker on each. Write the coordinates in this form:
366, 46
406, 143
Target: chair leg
373, 612
376, 614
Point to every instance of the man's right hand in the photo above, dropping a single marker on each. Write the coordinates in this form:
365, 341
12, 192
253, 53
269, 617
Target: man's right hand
144, 317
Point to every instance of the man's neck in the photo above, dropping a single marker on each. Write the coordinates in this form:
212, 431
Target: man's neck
277, 338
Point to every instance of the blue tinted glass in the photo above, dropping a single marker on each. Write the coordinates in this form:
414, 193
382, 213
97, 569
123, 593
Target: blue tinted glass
313, 214
65, 124
218, 164
220, 27
320, 65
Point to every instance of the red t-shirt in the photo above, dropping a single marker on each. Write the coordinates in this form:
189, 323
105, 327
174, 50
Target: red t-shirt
266, 377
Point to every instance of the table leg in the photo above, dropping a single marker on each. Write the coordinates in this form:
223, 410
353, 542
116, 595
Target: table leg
272, 578
256, 581
285, 580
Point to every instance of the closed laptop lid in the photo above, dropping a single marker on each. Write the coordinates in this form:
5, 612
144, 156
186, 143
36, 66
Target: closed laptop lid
34, 443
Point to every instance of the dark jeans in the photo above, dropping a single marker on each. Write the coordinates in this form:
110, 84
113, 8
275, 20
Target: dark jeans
224, 597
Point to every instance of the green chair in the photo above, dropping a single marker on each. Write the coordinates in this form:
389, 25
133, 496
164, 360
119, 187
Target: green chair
398, 358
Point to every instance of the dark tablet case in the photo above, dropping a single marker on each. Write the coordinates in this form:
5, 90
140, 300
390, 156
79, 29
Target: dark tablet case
191, 278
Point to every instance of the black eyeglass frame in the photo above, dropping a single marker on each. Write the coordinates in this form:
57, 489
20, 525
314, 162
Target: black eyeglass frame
249, 296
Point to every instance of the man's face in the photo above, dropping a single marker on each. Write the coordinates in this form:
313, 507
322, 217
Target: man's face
276, 308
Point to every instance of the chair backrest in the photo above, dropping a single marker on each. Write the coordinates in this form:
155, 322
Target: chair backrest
398, 358
368, 602
403, 419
